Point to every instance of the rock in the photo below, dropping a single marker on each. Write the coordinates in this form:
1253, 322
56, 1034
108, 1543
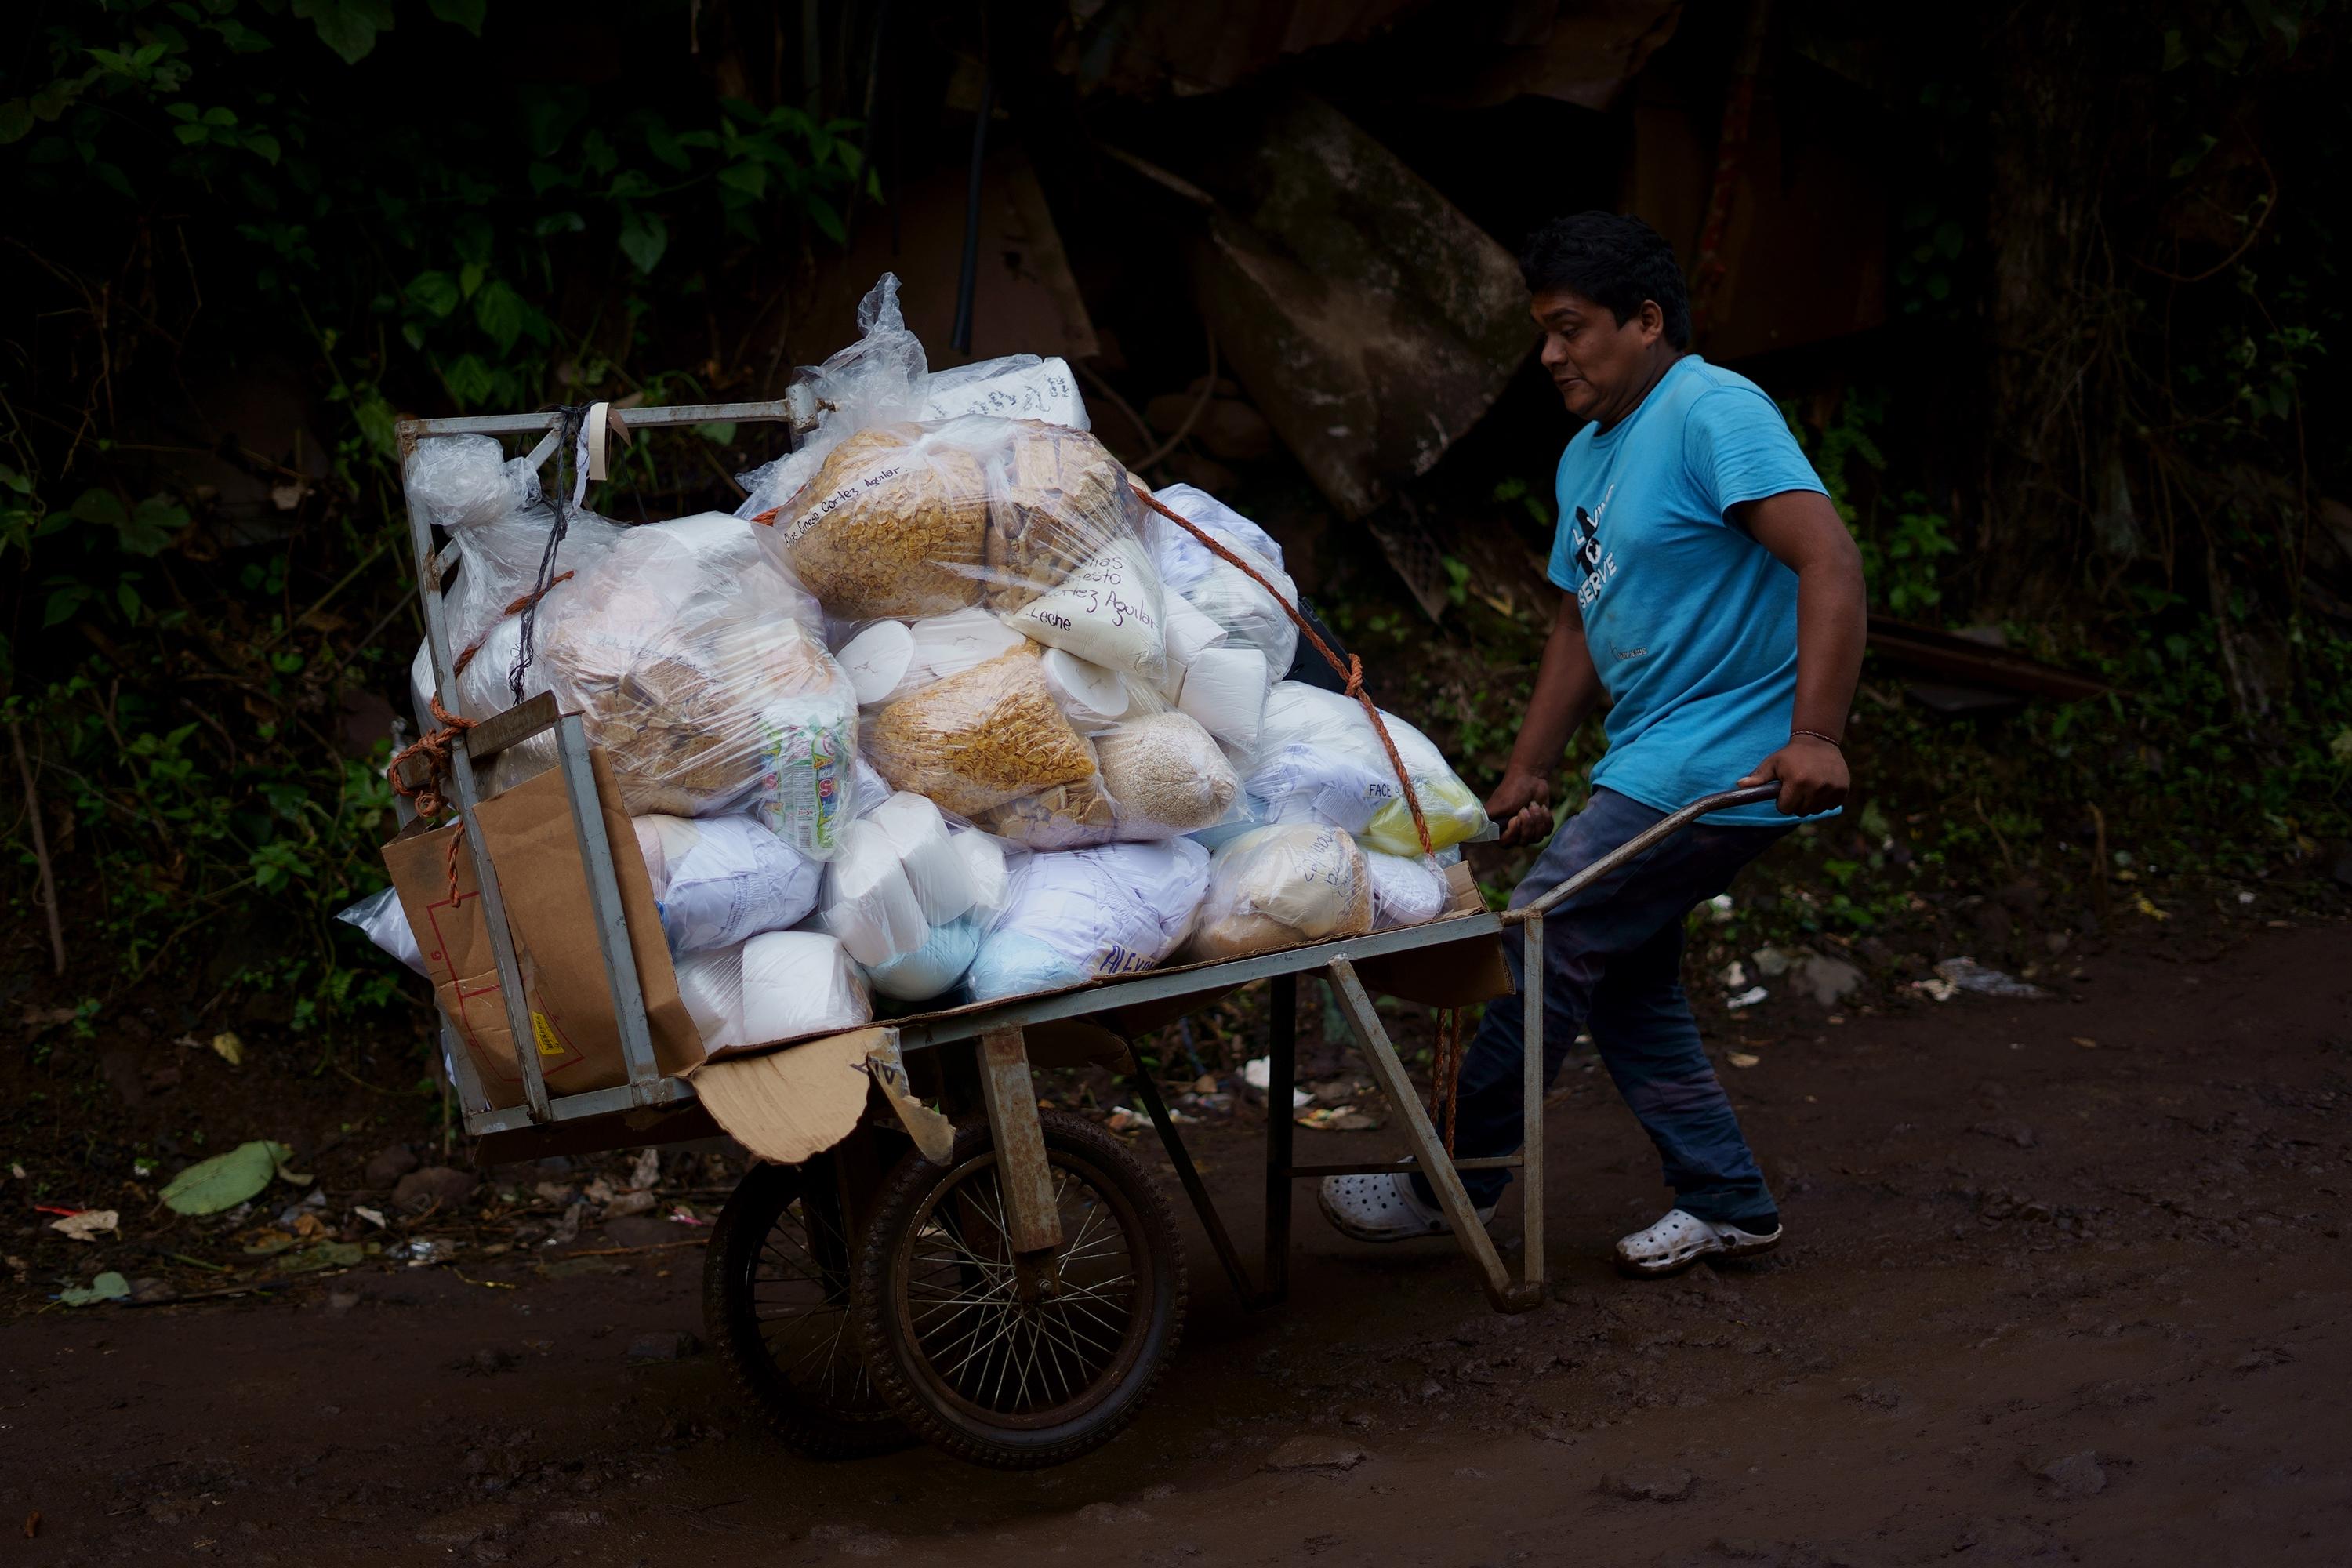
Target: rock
642, 1230
1310, 1451
341, 1300
628, 1204
2073, 1476
488, 1362
150, 1292
1826, 980
673, 1345
435, 1187
1649, 1483
119, 1066
388, 1165
1233, 432
577, 1517
2008, 1131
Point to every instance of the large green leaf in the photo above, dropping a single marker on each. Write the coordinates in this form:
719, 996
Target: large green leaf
347, 27
108, 1287
644, 237
227, 1180
466, 14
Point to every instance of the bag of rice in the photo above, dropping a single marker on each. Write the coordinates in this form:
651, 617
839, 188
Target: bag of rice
1281, 887
1317, 751
722, 879
1166, 776
1071, 916
982, 739
800, 982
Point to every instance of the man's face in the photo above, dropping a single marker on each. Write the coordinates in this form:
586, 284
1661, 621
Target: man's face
1598, 363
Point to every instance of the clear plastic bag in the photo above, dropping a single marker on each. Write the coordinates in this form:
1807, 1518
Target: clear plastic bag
1281, 887
711, 985
800, 982
1407, 889
492, 508
868, 903
1071, 916
983, 739
1244, 613
386, 925
880, 379
691, 658
1318, 754
723, 878
1036, 521
890, 659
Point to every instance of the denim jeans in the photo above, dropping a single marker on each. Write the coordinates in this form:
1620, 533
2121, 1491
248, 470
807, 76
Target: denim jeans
1613, 964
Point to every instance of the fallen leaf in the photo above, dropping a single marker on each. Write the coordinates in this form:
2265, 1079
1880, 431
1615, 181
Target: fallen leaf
2150, 910
374, 1216
2087, 1044
108, 1287
229, 1048
86, 1226
225, 1180
1742, 1059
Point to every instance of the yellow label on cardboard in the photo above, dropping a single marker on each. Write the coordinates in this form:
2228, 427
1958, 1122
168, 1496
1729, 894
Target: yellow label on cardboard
544, 1032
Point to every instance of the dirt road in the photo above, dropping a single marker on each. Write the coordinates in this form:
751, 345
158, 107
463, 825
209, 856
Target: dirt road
2066, 1283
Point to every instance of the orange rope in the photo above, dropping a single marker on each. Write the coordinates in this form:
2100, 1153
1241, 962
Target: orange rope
1353, 670
515, 607
435, 749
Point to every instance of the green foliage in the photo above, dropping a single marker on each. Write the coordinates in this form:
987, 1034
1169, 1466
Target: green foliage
354, 207
1900, 547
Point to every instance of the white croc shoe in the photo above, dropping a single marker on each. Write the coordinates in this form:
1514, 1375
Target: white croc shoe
1382, 1207
1681, 1239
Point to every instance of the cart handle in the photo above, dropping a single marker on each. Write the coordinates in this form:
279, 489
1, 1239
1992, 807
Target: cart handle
1658, 832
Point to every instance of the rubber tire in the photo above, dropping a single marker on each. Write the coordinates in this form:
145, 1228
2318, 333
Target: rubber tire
956, 1432
808, 1427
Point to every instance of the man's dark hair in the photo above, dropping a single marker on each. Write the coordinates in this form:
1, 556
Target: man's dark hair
1613, 260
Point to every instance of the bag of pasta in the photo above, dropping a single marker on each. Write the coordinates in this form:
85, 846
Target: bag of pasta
982, 739
688, 656
1282, 886
1036, 522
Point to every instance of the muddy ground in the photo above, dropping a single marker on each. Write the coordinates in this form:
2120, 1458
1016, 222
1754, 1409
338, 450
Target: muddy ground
2066, 1282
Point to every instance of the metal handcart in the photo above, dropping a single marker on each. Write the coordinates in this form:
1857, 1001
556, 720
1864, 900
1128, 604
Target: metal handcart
1007, 1283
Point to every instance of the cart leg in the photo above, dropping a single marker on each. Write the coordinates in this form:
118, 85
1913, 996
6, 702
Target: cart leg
1251, 1299
1032, 1220
1282, 1065
1434, 1163
1531, 1110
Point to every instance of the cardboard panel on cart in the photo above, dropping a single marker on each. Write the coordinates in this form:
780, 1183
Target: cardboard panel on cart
529, 832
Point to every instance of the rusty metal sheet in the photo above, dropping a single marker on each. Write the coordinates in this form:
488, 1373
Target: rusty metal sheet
1371, 322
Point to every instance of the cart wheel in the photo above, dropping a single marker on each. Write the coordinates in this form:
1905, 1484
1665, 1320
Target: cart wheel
775, 1297
967, 1363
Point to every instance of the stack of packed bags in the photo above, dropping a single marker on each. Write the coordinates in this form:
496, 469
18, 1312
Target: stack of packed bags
947, 710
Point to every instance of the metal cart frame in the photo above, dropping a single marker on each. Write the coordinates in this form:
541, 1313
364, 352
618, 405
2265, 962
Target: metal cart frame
650, 1108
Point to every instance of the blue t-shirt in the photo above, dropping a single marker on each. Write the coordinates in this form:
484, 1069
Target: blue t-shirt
1691, 623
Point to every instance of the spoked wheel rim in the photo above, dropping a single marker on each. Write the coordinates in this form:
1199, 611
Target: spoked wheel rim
973, 1341
796, 1296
